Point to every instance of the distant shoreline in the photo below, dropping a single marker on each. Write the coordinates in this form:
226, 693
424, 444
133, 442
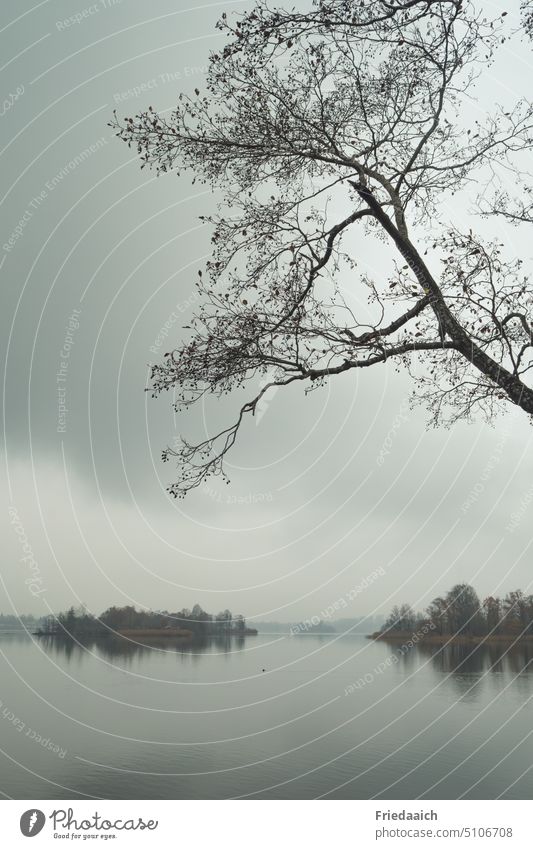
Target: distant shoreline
182, 633
451, 639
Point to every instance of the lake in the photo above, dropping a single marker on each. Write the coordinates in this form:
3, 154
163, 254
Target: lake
270, 716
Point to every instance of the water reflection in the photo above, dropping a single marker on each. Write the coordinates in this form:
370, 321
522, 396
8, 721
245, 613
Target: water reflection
471, 659
128, 649
223, 730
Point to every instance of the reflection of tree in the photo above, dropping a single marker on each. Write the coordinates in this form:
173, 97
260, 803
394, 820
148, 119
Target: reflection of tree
475, 659
127, 649
62, 647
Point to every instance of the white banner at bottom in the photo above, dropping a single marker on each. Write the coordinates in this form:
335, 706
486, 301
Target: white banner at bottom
267, 824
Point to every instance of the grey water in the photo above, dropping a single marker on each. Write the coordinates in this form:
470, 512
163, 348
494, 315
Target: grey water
263, 717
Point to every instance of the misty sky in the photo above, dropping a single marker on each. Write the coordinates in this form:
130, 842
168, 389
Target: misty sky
101, 256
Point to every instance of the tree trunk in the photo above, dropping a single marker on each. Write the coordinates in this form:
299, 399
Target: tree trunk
514, 388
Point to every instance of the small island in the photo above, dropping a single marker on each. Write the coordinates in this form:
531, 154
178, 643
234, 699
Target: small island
460, 617
128, 622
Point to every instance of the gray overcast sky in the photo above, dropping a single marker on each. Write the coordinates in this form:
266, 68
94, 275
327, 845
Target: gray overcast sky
309, 512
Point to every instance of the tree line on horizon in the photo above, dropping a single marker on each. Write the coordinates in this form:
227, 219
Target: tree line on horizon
461, 612
79, 621
9, 621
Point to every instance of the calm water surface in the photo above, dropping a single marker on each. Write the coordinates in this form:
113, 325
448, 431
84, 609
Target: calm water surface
205, 721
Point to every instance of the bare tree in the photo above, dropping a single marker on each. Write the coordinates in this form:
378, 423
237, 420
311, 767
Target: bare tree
526, 8
345, 121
